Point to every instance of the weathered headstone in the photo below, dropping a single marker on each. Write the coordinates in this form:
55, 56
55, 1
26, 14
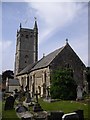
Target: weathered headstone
70, 116
79, 92
28, 97
40, 115
27, 116
37, 94
28, 101
16, 93
20, 108
48, 93
9, 104
23, 113
80, 114
37, 107
56, 115
20, 96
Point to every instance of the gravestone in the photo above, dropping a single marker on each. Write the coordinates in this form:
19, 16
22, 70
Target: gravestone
23, 113
28, 101
55, 115
37, 94
20, 108
9, 104
27, 116
79, 92
37, 107
28, 97
19, 96
16, 93
70, 116
40, 115
80, 114
48, 93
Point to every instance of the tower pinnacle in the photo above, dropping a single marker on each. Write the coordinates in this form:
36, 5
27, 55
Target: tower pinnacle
35, 25
20, 25
66, 41
35, 18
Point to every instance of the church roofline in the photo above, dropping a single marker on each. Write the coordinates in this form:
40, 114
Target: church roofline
35, 26
67, 44
46, 60
27, 69
42, 63
54, 54
25, 29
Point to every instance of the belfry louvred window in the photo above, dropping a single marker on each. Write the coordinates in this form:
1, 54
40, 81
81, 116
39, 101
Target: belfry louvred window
26, 58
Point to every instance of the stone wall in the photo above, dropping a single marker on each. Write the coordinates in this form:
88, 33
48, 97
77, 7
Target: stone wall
22, 80
26, 48
12, 88
40, 81
67, 58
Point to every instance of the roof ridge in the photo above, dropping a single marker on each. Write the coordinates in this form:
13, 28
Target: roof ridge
45, 61
60, 49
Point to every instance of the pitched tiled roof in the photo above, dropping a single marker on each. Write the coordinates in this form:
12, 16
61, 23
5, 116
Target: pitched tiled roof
45, 61
13, 82
26, 69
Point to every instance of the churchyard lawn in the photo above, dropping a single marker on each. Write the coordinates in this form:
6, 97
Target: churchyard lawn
0, 109
65, 106
0, 106
9, 114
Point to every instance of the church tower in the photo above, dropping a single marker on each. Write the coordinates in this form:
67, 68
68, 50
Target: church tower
26, 47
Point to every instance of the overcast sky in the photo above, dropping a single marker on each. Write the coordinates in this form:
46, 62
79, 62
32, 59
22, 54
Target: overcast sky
56, 22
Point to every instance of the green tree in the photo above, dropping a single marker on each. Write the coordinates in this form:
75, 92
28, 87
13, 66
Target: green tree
62, 85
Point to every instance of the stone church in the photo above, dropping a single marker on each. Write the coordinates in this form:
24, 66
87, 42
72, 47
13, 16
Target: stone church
35, 74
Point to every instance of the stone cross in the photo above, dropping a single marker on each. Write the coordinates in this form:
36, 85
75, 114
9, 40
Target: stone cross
37, 94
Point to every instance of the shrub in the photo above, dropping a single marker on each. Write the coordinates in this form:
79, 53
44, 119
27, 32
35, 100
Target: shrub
63, 85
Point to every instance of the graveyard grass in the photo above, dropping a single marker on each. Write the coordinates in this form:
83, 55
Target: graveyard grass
8, 114
0, 106
0, 109
65, 106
